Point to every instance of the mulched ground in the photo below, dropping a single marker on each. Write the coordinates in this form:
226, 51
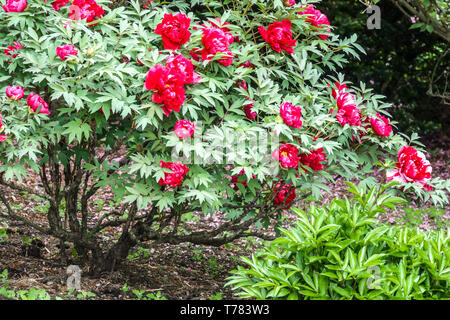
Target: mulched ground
183, 271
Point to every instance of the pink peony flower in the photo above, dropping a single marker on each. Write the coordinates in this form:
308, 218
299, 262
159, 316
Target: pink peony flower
279, 36
249, 113
15, 5
215, 40
175, 178
247, 64
66, 50
15, 93
350, 115
291, 115
411, 166
287, 154
35, 101
284, 194
316, 19
3, 137
183, 66
237, 178
184, 129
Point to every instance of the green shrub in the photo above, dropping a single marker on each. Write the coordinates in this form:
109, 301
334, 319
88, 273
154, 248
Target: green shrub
339, 252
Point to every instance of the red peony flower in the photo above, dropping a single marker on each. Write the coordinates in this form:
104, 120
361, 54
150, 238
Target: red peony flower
15, 93
340, 88
411, 166
287, 154
237, 178
58, 4
215, 40
285, 194
35, 101
174, 30
313, 159
317, 19
1, 123
349, 114
183, 66
184, 129
146, 4
85, 9
14, 47
168, 85
249, 113
247, 64
15, 5
345, 99
279, 36
174, 178
217, 23
242, 84
380, 125
291, 114
196, 54
66, 50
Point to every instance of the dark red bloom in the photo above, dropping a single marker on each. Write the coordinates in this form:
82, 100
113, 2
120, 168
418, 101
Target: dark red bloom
279, 36
313, 159
247, 64
10, 49
237, 178
284, 194
249, 113
66, 50
196, 54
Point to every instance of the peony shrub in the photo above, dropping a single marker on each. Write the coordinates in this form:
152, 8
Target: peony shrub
229, 108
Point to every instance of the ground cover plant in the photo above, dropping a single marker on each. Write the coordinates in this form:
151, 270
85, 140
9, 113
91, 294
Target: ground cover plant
339, 252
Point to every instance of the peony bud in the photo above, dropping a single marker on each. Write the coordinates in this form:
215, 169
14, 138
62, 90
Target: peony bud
90, 52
